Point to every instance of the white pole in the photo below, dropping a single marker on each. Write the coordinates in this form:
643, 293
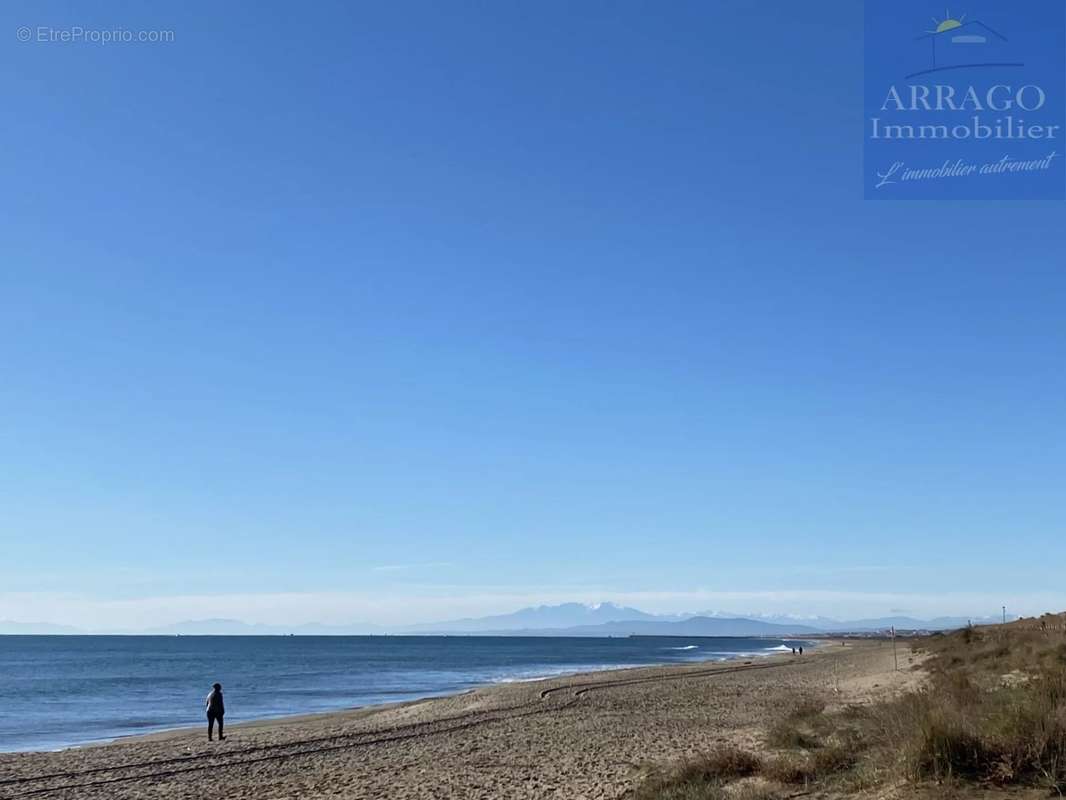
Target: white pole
895, 657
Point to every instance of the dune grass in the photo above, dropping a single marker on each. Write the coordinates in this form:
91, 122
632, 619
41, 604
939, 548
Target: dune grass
992, 712
701, 778
798, 727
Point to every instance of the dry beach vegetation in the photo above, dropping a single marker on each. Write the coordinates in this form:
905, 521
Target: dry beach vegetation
987, 718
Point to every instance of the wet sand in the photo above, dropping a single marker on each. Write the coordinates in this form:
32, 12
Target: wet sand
578, 737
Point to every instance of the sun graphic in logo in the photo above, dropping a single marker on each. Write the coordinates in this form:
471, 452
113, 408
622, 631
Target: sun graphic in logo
949, 23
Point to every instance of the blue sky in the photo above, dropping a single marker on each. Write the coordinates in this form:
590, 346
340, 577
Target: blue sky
399, 311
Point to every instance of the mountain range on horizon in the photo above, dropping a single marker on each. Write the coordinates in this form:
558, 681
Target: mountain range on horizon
604, 619
566, 619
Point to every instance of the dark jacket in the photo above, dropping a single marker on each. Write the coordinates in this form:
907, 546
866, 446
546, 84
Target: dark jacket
215, 706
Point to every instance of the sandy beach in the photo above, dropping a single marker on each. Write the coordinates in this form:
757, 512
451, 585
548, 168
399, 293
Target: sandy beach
579, 737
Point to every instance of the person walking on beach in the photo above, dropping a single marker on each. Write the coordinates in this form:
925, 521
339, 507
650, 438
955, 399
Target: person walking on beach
216, 709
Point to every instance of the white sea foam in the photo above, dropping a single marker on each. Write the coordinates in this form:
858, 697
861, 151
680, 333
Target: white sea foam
528, 676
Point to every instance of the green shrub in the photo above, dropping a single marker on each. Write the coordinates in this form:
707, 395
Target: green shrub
786, 734
701, 777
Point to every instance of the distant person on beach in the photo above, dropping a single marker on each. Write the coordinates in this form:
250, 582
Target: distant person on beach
216, 709
220, 724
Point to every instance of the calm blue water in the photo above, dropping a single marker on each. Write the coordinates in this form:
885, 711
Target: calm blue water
58, 691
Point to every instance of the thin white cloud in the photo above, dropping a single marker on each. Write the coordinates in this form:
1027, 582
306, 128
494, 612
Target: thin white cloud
412, 567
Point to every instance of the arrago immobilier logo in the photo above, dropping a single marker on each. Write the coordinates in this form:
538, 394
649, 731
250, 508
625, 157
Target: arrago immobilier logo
966, 102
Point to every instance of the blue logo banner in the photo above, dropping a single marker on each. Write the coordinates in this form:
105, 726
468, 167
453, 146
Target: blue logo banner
965, 102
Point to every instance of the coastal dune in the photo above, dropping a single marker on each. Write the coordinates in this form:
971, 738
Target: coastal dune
578, 737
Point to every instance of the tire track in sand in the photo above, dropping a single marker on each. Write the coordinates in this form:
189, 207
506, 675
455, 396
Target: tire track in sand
157, 769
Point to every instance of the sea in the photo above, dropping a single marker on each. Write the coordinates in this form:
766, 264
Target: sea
65, 691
